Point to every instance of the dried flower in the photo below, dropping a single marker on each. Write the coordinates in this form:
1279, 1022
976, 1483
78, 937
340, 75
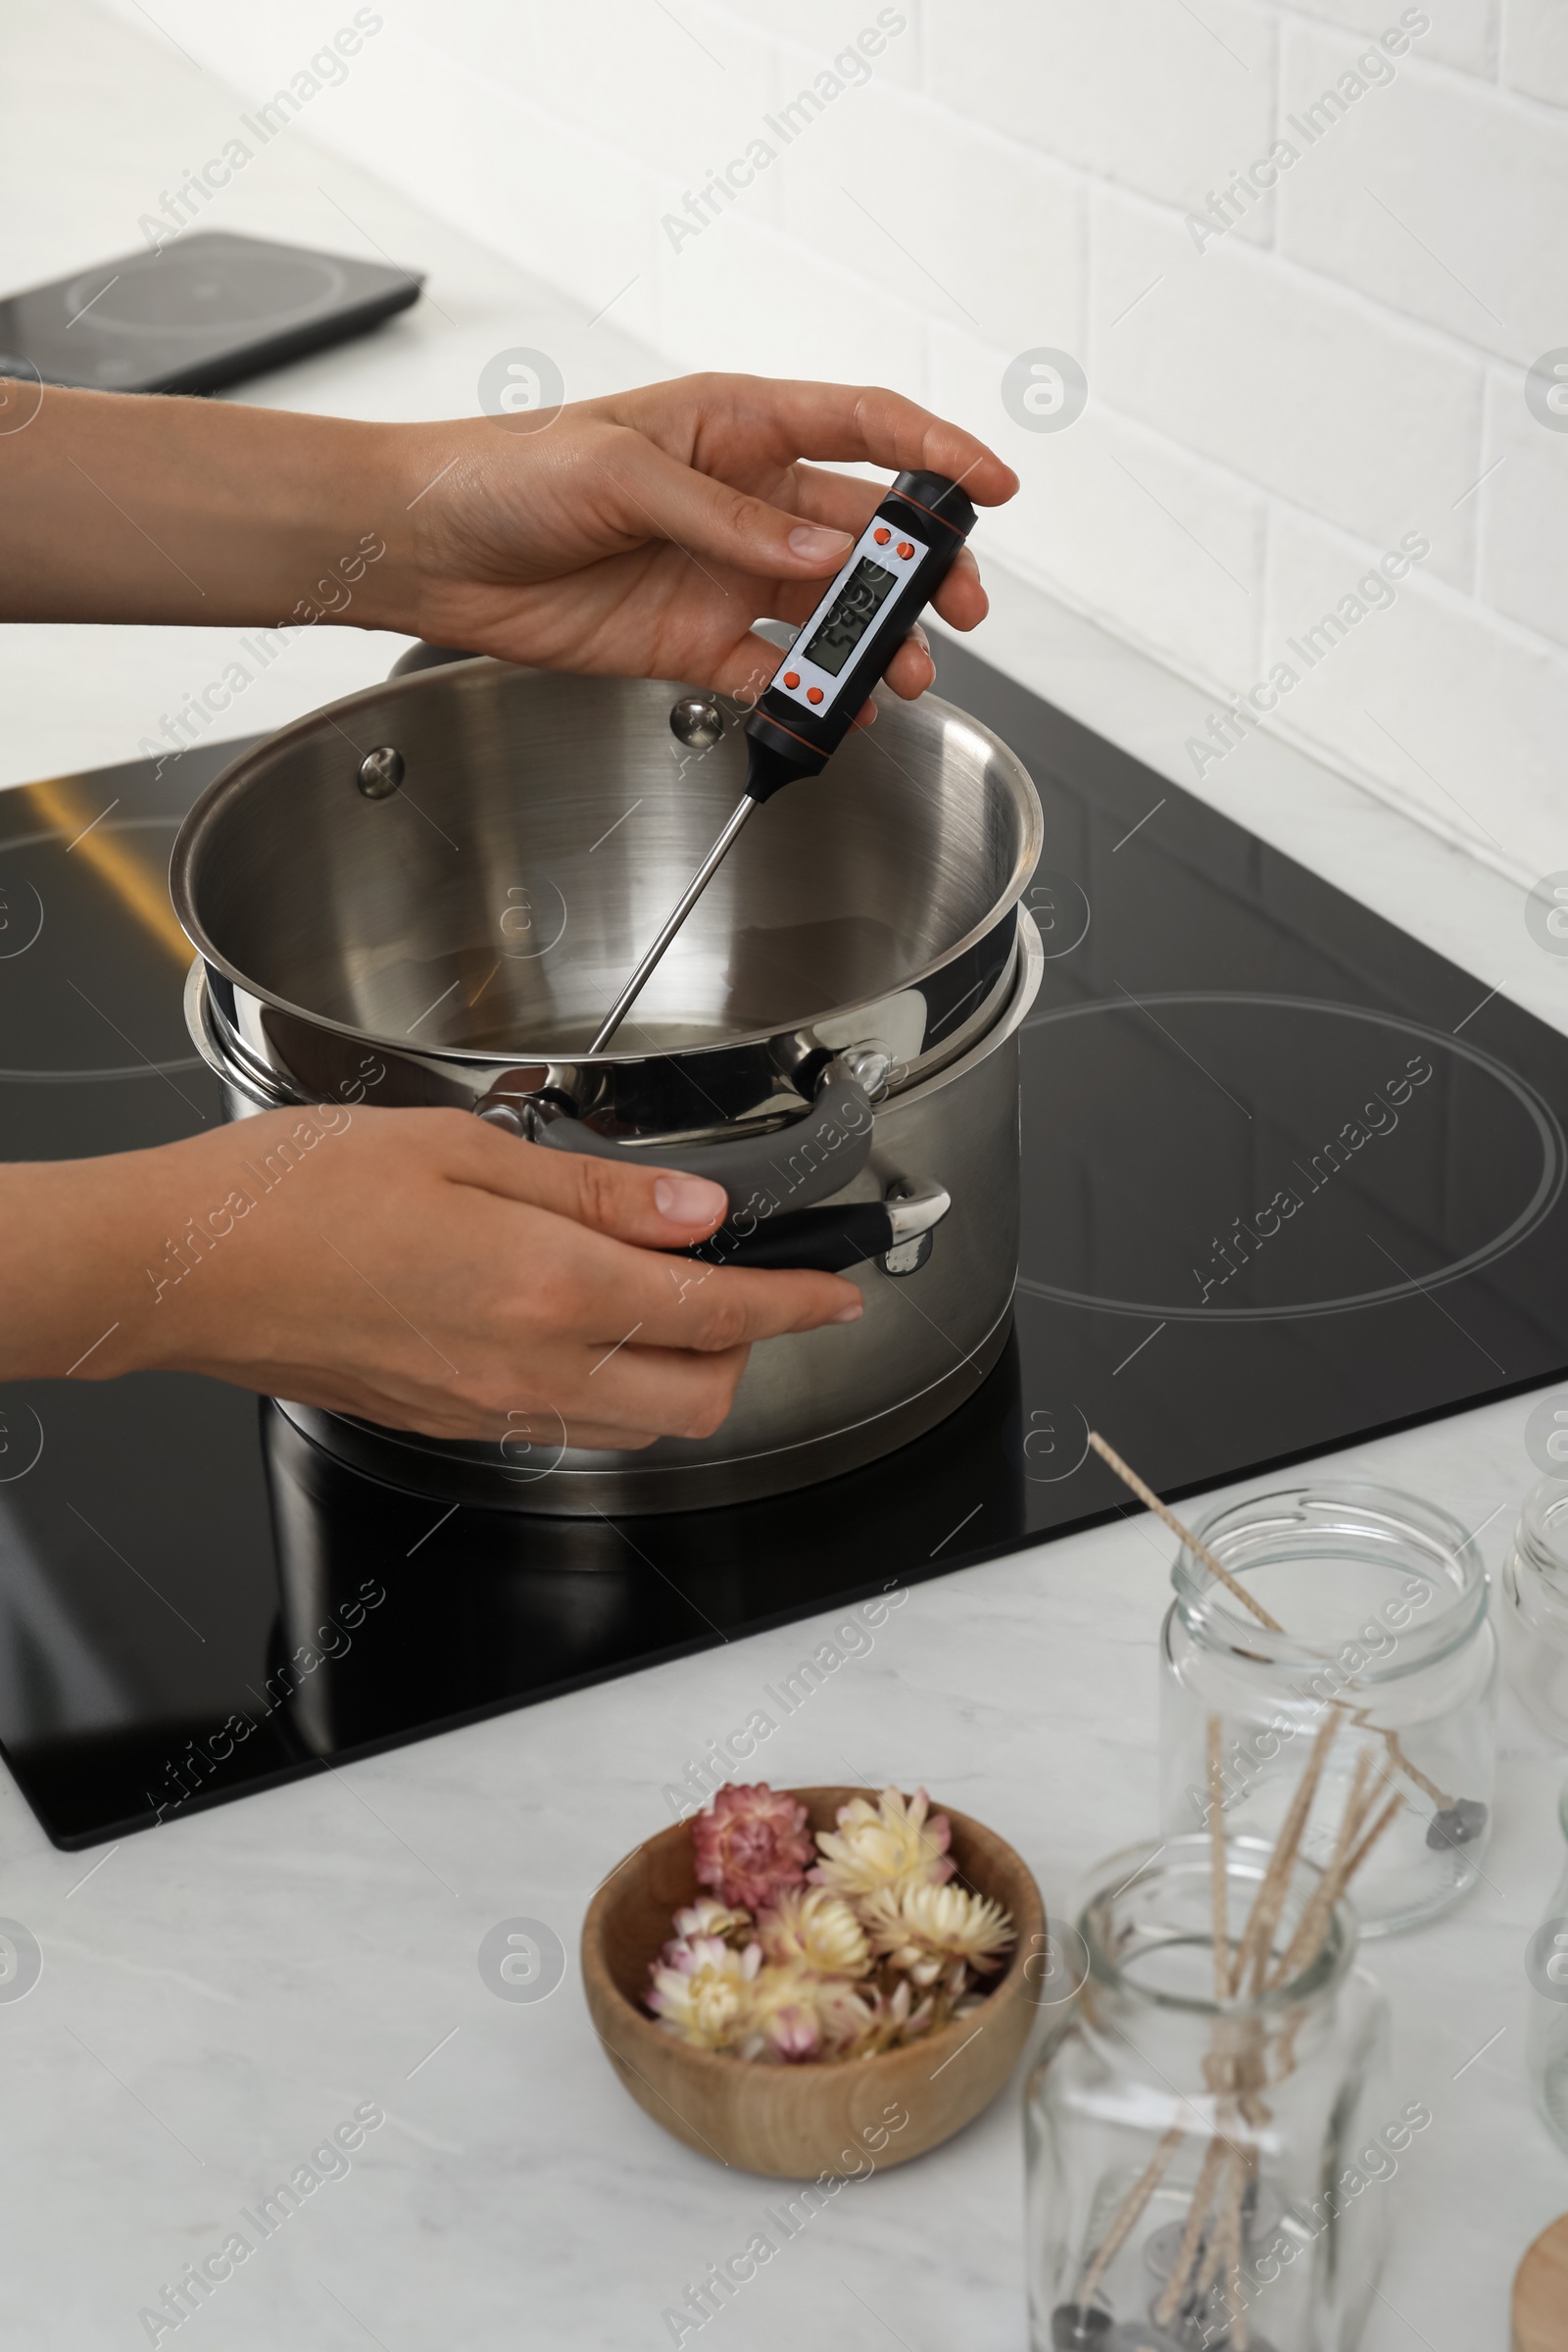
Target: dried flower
786, 2024
888, 1845
890, 2018
705, 1916
701, 1991
810, 1925
751, 1843
930, 1931
872, 1951
796, 2012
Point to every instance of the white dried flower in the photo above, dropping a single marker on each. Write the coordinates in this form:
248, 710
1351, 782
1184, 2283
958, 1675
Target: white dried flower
818, 1929
928, 1931
891, 1843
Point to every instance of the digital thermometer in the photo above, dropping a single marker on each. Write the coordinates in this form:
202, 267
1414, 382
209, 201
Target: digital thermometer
869, 606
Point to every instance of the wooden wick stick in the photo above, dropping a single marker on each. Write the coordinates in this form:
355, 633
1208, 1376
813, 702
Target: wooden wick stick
1216, 1860
1230, 2211
1231, 2233
1370, 1840
1398, 1758
1359, 1804
1306, 1943
1186, 2253
1258, 1936
1148, 1496
1312, 1926
1131, 2207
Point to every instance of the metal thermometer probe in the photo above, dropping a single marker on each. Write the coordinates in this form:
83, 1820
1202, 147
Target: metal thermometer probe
885, 583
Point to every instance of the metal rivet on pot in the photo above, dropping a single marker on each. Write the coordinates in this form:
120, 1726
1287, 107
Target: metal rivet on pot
696, 723
380, 772
870, 1066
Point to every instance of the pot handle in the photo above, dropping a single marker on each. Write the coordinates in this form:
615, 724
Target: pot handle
829, 1241
791, 1168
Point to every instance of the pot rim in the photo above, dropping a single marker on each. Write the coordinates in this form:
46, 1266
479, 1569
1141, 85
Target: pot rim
234, 779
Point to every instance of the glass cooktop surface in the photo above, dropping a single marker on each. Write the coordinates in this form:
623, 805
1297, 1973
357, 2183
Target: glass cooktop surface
1289, 1178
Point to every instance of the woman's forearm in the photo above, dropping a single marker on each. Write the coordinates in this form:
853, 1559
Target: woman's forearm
73, 1236
115, 507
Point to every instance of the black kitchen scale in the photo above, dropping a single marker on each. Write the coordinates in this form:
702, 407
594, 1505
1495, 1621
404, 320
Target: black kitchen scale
1290, 1180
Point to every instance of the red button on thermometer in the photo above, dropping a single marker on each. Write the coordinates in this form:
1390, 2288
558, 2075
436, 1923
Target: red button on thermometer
889, 577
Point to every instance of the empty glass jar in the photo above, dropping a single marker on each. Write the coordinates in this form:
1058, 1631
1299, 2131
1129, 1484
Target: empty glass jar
1533, 1606
1546, 1966
1208, 2174
1382, 1598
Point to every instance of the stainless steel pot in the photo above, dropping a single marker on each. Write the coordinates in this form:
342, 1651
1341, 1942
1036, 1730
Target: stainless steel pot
430, 893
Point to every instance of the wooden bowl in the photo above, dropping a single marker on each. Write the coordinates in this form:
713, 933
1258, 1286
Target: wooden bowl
800, 2122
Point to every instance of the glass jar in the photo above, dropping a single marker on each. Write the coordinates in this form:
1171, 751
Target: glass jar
1202, 2174
1546, 1966
1385, 1601
1533, 1606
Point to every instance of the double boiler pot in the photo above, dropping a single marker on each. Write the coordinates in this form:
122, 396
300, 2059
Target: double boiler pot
431, 892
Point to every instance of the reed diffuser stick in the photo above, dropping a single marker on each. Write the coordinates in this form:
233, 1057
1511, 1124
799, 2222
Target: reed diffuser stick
1152, 1502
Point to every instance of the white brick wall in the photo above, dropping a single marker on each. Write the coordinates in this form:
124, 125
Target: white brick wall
1270, 408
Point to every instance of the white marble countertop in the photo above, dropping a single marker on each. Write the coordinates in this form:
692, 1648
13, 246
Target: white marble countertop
220, 1995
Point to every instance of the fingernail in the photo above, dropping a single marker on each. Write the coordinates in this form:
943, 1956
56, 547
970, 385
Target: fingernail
815, 545
921, 640
851, 1314
688, 1199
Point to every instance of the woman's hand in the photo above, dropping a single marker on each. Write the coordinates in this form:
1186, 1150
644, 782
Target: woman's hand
416, 1267
639, 535
643, 534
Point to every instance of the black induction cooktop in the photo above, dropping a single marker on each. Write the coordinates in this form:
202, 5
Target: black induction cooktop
1289, 1178
194, 312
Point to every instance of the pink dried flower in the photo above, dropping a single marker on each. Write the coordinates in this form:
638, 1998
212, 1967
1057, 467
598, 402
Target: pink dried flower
751, 1843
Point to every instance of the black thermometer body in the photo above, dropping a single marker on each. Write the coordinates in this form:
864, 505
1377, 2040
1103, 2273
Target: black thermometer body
891, 575
880, 591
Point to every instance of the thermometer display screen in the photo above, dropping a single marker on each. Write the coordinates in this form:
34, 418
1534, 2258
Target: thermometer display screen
851, 614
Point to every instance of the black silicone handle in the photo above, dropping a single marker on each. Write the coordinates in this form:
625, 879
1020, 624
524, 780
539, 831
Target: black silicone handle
827, 1241
764, 1175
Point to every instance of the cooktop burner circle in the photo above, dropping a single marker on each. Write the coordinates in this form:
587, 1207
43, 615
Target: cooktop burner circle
96, 999
21, 1438
1275, 1202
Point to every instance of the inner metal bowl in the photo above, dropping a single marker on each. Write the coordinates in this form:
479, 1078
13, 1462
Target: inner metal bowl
486, 910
